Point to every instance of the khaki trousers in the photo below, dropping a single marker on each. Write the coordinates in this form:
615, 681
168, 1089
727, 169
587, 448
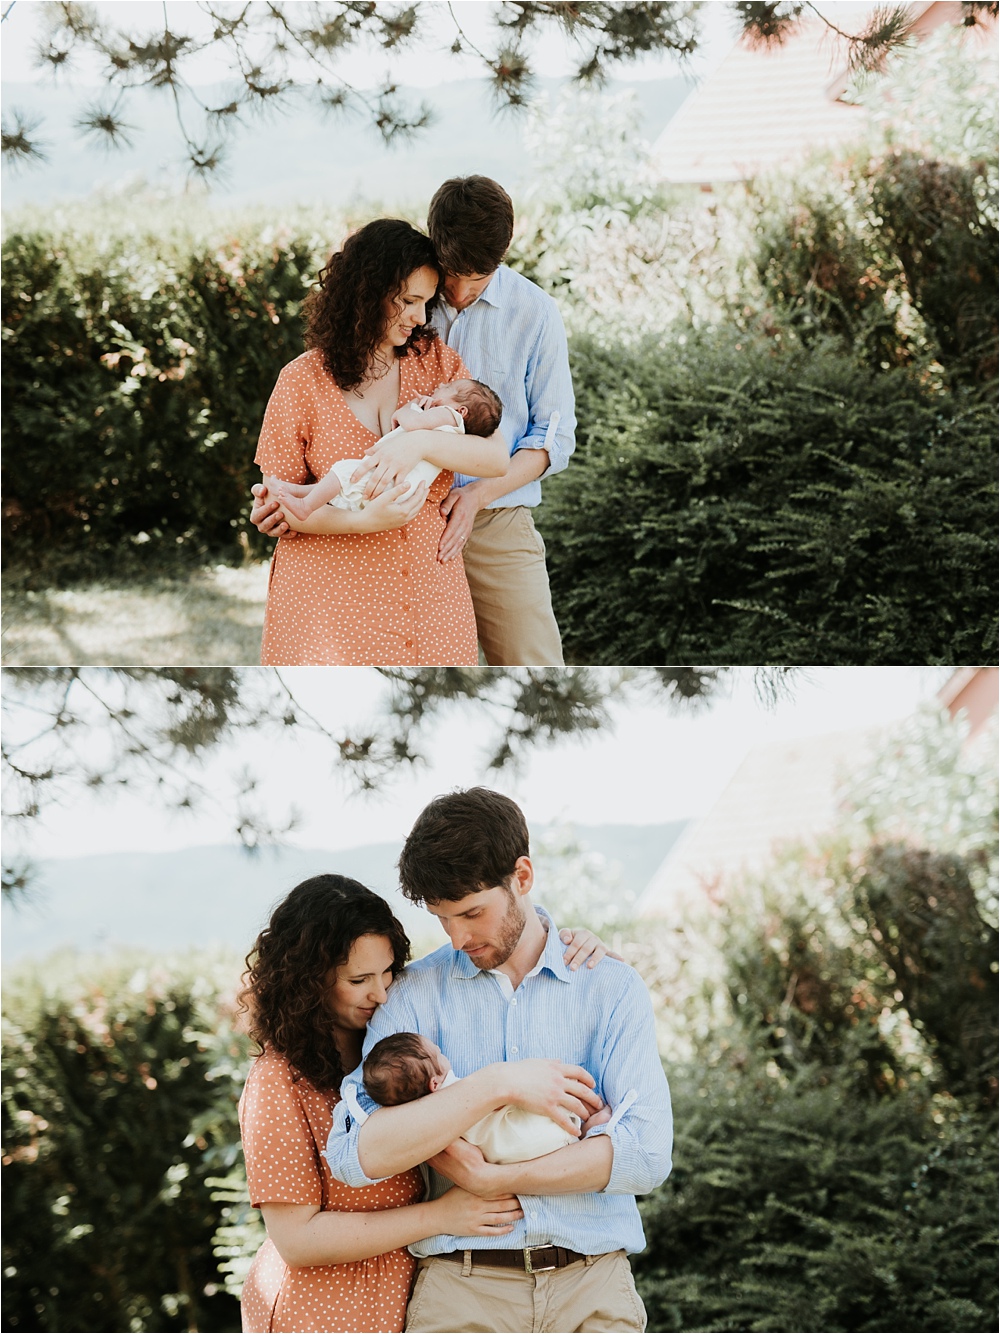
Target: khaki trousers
594, 1294
505, 565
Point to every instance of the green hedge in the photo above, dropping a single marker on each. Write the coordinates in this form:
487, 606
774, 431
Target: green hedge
119, 1105
734, 502
810, 1209
135, 375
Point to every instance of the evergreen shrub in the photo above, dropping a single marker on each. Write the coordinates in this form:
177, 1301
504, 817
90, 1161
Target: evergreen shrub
798, 1209
136, 370
732, 501
119, 1105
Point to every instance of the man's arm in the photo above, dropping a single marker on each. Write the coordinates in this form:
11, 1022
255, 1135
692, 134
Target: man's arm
574, 1170
461, 505
549, 389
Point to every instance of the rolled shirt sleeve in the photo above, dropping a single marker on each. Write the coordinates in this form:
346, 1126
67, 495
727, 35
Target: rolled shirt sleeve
549, 391
643, 1136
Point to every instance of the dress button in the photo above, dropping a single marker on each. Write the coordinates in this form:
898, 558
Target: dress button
409, 643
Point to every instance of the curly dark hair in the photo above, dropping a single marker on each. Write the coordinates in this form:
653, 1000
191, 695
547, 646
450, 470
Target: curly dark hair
345, 315
285, 986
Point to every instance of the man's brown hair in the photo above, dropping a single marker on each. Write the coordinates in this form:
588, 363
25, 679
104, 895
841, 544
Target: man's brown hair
462, 843
471, 221
398, 1069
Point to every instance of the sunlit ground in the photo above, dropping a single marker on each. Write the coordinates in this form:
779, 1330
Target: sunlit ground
214, 616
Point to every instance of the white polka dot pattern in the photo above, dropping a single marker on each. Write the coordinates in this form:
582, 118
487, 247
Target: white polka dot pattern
284, 1125
371, 599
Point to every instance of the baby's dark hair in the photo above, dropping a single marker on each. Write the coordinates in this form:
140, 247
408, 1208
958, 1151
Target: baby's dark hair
398, 1069
484, 408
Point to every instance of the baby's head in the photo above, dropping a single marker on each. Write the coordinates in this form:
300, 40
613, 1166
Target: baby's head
476, 401
403, 1068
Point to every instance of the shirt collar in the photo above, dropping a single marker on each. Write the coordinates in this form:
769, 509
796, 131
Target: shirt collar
492, 295
551, 956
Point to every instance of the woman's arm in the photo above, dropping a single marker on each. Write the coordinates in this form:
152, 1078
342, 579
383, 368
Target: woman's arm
385, 512
391, 459
394, 1139
303, 1234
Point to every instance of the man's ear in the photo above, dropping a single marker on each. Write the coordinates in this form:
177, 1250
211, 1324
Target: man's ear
524, 876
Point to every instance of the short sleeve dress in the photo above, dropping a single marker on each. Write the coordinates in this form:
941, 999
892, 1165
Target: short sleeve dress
367, 599
284, 1124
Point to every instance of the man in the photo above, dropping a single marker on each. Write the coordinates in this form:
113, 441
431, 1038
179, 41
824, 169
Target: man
502, 993
510, 335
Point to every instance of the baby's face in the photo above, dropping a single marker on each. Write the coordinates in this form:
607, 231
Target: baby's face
446, 395
441, 1063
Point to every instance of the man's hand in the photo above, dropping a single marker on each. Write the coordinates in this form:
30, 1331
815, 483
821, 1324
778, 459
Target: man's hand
267, 515
459, 509
464, 1164
550, 1089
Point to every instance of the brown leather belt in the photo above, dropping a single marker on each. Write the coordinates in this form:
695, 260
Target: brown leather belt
530, 1260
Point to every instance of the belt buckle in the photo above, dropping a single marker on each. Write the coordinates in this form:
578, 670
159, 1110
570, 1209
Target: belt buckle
529, 1268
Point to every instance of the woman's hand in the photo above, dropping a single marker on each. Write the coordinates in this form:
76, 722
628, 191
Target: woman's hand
391, 510
267, 516
584, 946
469, 1214
464, 1164
386, 463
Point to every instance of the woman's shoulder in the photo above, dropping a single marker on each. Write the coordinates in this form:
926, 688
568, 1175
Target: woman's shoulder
272, 1070
304, 369
435, 354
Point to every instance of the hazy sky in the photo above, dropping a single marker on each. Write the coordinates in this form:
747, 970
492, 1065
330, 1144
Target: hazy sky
656, 766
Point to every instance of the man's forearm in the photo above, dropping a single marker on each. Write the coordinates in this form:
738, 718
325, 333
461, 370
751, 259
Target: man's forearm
525, 465
578, 1168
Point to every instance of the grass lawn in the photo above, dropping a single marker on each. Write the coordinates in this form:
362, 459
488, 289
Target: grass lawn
212, 617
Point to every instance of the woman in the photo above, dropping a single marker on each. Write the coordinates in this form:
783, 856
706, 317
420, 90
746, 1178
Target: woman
366, 587
335, 1257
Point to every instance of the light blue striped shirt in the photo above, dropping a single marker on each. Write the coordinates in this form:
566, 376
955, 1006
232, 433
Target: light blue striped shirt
512, 338
599, 1018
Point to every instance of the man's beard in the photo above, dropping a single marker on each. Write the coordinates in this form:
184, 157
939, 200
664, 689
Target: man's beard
511, 929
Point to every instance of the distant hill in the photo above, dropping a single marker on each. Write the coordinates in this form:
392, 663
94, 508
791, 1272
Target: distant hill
199, 897
301, 157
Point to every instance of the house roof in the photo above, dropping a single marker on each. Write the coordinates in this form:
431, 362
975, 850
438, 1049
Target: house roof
787, 792
766, 107
783, 792
761, 109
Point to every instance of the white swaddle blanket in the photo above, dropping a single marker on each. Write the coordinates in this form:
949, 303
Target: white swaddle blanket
352, 494
512, 1135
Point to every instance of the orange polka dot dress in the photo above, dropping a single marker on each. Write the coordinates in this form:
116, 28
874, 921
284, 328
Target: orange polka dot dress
284, 1125
365, 599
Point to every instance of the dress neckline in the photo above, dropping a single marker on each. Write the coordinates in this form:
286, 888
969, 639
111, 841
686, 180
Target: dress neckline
399, 398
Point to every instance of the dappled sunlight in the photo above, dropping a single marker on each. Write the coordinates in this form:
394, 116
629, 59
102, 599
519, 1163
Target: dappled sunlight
213, 616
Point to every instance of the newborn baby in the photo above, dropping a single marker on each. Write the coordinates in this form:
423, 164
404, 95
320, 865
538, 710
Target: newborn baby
460, 407
406, 1066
